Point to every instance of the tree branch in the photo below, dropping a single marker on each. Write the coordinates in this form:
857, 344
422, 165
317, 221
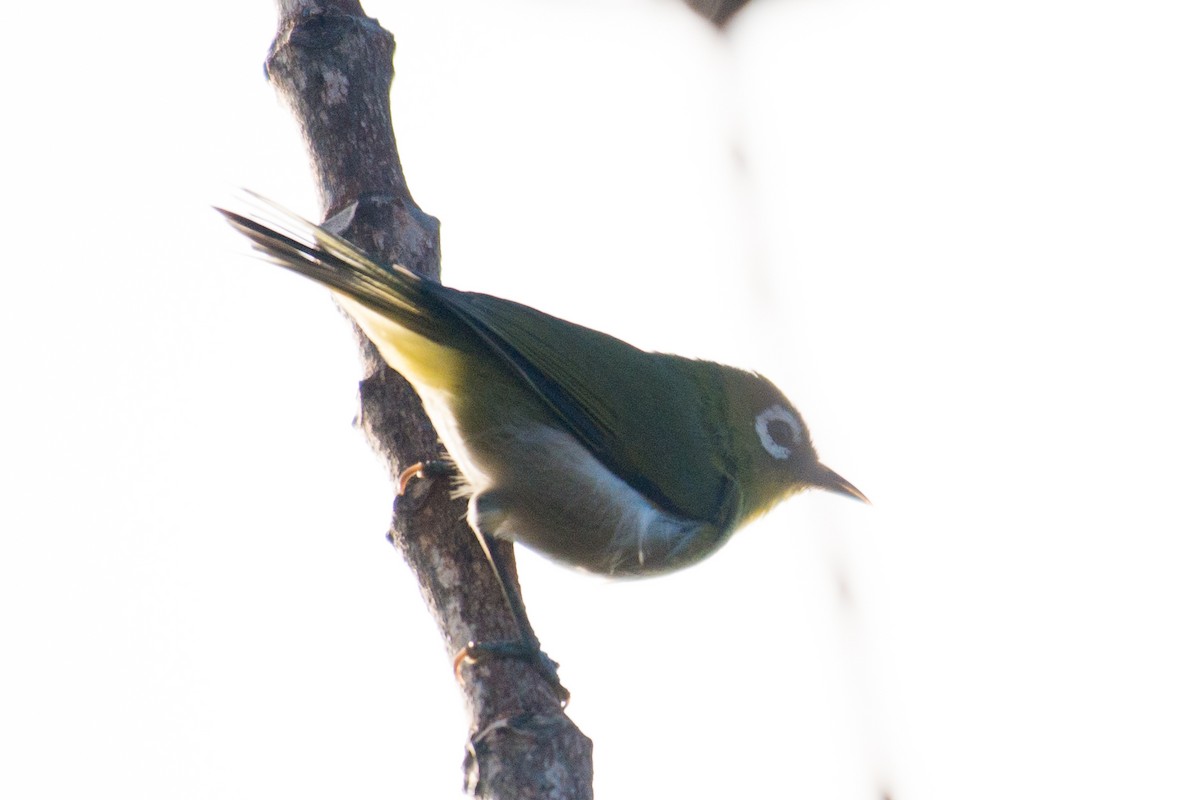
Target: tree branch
333, 67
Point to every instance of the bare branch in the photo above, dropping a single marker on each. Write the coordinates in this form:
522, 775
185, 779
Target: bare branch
333, 66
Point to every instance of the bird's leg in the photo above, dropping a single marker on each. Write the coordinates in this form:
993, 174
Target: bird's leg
527, 647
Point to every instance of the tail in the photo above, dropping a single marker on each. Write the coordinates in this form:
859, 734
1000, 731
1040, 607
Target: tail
294, 243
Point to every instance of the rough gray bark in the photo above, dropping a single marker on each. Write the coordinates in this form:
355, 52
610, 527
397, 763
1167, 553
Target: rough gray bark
718, 12
333, 67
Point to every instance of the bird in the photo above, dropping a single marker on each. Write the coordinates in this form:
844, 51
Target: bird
593, 452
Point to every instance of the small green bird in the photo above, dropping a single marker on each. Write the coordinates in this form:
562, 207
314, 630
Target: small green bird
572, 442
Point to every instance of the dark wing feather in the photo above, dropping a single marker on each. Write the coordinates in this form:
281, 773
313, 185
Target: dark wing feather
656, 420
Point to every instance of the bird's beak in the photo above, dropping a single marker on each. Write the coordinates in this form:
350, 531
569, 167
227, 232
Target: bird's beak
822, 477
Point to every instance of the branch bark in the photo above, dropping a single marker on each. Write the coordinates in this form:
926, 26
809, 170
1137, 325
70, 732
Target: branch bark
333, 66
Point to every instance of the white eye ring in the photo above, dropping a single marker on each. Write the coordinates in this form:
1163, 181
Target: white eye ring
776, 413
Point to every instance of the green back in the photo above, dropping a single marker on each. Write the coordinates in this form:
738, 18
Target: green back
657, 421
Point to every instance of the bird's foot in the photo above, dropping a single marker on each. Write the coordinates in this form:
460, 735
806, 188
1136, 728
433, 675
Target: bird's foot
529, 652
436, 468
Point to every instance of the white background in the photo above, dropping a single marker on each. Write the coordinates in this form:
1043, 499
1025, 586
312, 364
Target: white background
962, 236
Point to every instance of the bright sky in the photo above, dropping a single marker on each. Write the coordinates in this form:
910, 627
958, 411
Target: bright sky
965, 244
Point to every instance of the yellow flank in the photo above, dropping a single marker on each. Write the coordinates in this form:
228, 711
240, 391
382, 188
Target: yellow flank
424, 363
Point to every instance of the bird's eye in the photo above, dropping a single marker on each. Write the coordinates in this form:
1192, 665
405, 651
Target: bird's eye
781, 433
778, 430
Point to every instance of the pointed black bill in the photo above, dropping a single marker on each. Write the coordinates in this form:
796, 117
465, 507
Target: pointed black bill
822, 477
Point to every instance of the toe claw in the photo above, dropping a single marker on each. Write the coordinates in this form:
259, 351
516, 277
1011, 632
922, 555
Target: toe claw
424, 469
547, 667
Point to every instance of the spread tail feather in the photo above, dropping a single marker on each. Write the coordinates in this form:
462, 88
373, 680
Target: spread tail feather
294, 243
